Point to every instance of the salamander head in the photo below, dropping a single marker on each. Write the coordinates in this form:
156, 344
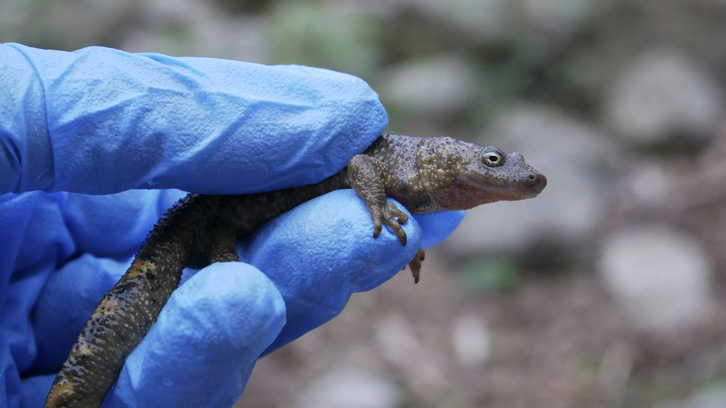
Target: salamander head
460, 175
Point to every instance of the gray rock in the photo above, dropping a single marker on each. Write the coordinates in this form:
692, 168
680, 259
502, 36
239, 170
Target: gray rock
349, 387
663, 92
710, 398
483, 20
577, 160
471, 341
497, 21
557, 18
435, 86
178, 10
660, 275
648, 184
422, 365
239, 38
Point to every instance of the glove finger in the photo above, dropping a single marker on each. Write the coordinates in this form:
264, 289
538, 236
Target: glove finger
437, 227
32, 239
49, 228
33, 232
205, 343
180, 122
321, 252
115, 225
100, 226
69, 296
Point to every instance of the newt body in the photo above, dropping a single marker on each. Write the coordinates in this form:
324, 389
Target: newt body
423, 174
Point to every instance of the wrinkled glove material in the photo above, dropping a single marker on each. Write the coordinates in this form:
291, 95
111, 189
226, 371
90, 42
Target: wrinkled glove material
273, 123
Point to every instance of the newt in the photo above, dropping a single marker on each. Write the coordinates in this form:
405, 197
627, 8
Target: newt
423, 174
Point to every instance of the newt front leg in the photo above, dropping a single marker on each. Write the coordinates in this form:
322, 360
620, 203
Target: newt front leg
367, 177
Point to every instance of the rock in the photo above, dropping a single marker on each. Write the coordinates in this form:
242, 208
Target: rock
648, 184
578, 162
421, 365
660, 275
556, 18
349, 387
500, 21
163, 11
714, 397
471, 341
660, 93
435, 86
397, 339
239, 38
484, 20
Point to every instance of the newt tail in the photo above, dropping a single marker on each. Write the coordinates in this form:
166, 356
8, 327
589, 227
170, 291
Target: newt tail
422, 174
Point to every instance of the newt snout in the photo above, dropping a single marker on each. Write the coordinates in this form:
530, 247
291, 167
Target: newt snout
537, 182
532, 181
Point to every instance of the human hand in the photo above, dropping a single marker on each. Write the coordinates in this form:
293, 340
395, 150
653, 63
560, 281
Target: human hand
102, 121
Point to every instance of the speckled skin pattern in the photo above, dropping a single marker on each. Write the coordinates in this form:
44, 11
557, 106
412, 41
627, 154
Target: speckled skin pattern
423, 174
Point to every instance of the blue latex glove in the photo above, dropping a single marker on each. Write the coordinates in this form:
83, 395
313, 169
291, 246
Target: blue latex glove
102, 121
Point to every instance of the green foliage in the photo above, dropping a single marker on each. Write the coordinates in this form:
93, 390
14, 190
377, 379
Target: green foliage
321, 35
489, 275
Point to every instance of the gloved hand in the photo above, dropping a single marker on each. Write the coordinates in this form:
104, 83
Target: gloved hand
102, 121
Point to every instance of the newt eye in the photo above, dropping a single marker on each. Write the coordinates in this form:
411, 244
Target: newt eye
492, 158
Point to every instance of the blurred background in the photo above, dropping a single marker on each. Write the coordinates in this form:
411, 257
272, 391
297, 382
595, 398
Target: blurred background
605, 291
